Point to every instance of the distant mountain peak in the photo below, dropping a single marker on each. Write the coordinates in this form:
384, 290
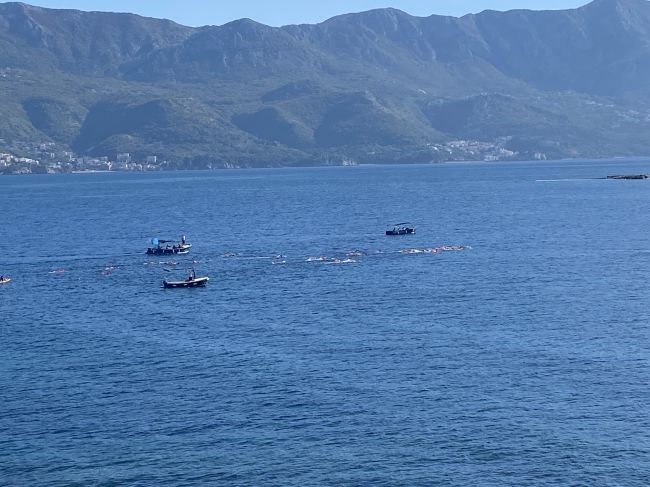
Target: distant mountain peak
618, 2
630, 16
615, 4
347, 88
17, 6
246, 22
378, 16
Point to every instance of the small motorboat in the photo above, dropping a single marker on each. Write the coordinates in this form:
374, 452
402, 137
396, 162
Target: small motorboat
191, 281
198, 282
5, 280
169, 247
401, 229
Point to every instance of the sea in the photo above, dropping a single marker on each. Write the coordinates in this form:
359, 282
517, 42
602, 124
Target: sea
506, 343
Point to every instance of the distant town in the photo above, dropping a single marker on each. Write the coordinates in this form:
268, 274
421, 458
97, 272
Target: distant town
48, 158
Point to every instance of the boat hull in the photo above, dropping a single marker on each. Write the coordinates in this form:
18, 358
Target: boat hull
198, 282
171, 251
401, 231
163, 247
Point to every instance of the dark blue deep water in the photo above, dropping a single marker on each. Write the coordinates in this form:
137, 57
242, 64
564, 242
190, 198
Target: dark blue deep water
522, 360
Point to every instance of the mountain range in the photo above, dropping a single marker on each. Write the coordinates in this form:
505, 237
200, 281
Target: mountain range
372, 87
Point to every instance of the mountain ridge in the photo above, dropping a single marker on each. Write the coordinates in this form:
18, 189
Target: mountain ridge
369, 86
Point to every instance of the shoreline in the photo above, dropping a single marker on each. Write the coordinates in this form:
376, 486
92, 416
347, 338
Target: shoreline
363, 165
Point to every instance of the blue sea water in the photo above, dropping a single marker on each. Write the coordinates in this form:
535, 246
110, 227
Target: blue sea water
521, 360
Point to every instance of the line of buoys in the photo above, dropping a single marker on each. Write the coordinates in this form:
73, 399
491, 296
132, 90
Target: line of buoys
434, 250
330, 260
349, 257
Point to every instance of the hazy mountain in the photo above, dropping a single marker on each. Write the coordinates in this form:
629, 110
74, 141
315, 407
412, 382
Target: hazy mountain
375, 86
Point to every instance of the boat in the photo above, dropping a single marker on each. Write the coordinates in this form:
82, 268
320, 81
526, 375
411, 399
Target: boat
401, 229
196, 282
629, 176
169, 247
191, 281
5, 280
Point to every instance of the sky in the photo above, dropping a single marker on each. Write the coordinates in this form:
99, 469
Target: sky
282, 12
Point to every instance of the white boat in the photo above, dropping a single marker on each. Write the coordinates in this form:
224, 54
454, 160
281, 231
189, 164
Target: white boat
191, 281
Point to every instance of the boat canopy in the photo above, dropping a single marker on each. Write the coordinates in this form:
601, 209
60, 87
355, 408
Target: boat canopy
156, 241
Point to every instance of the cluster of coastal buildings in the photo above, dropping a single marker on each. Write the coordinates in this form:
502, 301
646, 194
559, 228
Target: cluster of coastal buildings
47, 158
473, 150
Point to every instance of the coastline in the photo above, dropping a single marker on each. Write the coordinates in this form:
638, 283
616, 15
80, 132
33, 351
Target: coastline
527, 162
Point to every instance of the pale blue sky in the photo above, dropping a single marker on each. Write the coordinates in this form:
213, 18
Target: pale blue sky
281, 12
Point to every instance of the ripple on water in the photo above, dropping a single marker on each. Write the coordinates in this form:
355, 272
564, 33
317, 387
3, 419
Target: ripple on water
521, 360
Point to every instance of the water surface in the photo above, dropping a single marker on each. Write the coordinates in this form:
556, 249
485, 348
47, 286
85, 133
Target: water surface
522, 360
